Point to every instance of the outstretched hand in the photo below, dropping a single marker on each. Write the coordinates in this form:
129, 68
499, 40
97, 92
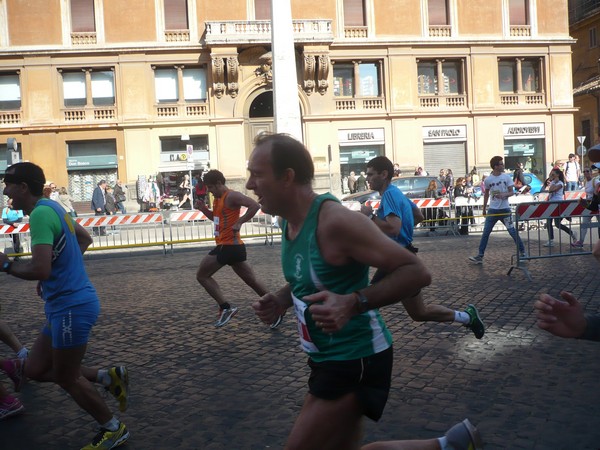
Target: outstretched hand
334, 310
561, 318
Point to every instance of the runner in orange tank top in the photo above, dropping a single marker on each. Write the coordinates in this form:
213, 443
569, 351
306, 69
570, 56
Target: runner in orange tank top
230, 249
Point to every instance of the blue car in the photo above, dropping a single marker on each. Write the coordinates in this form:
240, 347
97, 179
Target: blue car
531, 180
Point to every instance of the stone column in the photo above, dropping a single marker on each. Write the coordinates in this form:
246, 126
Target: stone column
286, 108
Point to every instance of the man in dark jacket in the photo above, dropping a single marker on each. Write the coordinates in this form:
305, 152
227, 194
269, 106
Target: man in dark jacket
98, 205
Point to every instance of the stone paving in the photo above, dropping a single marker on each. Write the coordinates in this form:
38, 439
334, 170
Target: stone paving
240, 387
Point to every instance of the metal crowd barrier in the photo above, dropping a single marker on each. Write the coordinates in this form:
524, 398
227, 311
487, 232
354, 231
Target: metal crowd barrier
438, 208
532, 219
160, 229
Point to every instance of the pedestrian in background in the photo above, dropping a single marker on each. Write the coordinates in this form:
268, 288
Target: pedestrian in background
120, 197
361, 182
53, 192
65, 201
462, 212
431, 213
352, 182
99, 205
556, 193
592, 183
572, 173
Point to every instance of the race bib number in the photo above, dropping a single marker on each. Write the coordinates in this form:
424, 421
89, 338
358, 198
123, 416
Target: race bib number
305, 340
217, 225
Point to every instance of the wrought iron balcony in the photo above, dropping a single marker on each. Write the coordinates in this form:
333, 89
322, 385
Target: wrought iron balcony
259, 31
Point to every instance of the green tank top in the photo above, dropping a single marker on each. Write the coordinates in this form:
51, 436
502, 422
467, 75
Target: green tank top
307, 272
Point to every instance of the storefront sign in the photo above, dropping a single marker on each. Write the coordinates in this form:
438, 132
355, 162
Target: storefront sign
452, 133
520, 130
199, 155
365, 136
92, 162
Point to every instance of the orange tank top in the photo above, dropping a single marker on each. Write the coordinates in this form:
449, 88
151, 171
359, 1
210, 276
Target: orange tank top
223, 219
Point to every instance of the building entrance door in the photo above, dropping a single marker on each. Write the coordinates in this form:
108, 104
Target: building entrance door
260, 119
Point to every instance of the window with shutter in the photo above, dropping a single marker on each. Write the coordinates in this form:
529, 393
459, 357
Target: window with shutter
354, 13
438, 12
82, 16
262, 9
176, 15
518, 12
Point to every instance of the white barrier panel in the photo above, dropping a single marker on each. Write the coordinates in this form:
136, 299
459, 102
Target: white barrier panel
536, 220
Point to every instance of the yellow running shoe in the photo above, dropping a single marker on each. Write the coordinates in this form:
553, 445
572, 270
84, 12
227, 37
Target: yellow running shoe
106, 439
119, 385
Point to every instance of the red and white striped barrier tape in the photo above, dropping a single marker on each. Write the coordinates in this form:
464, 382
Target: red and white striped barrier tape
184, 216
420, 202
121, 219
18, 228
536, 211
569, 195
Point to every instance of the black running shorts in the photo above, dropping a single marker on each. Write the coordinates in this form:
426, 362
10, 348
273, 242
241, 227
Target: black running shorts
370, 378
228, 255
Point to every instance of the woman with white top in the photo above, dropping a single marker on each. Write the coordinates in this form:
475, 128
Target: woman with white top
556, 187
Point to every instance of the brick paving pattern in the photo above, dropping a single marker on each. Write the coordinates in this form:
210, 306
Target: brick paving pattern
240, 387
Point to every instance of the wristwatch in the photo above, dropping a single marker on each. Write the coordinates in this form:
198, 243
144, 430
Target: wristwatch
363, 302
6, 266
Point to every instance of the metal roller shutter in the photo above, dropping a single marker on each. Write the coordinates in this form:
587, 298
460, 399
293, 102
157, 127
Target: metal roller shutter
446, 156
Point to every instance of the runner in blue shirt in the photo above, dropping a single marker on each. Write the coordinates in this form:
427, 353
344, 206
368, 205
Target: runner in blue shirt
71, 304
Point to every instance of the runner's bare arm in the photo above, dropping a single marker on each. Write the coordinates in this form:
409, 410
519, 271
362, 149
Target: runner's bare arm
37, 268
237, 200
83, 238
344, 236
418, 216
202, 207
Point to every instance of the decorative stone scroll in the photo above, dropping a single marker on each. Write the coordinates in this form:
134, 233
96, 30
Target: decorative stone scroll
232, 75
218, 74
309, 73
322, 74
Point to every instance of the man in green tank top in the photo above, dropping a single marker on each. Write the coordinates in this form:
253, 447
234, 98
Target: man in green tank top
326, 254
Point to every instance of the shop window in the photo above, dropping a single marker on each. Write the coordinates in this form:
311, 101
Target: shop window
10, 91
89, 88
100, 147
262, 9
438, 12
357, 79
82, 16
440, 77
176, 15
520, 75
167, 82
174, 144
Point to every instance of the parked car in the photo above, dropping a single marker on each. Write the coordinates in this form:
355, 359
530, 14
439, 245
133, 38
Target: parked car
411, 186
531, 180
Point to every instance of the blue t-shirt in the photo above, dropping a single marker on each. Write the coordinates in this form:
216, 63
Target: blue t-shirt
395, 202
